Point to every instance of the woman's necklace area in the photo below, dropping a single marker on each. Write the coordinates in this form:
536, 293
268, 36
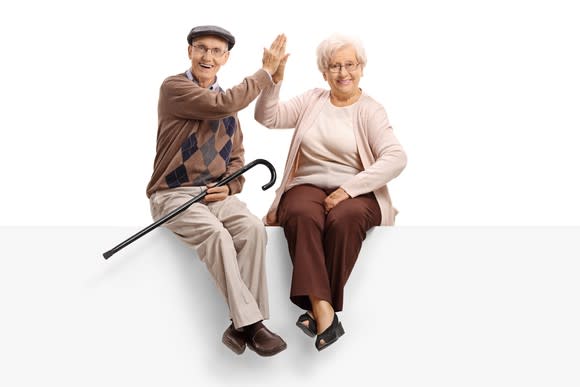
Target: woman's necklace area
345, 102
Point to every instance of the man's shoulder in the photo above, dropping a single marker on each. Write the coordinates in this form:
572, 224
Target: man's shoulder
176, 79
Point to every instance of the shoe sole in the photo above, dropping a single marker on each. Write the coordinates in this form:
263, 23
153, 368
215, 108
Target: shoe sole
267, 354
305, 329
235, 349
339, 333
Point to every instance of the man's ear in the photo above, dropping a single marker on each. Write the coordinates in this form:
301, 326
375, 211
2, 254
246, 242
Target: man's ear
189, 52
226, 57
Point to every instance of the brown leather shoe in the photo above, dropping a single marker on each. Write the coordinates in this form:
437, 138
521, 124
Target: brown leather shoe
266, 343
234, 340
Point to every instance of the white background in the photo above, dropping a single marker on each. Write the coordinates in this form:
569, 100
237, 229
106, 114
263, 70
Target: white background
482, 95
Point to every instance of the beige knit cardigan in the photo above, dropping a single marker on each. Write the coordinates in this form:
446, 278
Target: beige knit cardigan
382, 157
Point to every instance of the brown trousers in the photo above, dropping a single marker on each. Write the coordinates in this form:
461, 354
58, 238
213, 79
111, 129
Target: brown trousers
324, 248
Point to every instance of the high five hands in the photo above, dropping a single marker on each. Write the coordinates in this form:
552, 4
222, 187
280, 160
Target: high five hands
274, 59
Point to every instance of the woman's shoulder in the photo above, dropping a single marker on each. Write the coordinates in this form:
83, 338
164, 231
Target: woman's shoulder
370, 109
370, 106
369, 102
316, 93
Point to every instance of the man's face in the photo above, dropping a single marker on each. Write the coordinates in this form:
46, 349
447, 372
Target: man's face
207, 54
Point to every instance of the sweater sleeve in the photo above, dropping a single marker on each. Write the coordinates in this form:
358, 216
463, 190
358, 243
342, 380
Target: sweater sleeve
236, 161
187, 100
390, 158
273, 114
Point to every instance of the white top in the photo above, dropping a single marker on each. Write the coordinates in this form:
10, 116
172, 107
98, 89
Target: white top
328, 154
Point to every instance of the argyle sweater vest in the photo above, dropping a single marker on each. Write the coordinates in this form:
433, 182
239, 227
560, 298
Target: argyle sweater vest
199, 139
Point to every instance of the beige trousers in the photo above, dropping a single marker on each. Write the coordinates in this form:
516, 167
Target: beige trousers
231, 242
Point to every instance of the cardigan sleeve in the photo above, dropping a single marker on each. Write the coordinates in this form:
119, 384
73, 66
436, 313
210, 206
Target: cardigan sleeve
273, 114
389, 157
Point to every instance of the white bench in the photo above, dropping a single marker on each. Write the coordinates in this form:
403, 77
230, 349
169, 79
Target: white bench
424, 306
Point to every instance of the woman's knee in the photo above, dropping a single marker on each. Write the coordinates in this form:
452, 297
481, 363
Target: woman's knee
302, 203
344, 222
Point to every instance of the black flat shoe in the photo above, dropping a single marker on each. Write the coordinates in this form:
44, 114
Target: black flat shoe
309, 329
330, 334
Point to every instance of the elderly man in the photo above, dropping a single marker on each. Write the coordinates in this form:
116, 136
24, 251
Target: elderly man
199, 142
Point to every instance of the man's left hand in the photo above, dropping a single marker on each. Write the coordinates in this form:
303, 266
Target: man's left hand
215, 194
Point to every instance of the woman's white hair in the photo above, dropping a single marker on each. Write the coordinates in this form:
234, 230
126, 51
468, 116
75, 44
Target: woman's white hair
329, 46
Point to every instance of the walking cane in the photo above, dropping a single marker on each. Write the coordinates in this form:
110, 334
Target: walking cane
197, 198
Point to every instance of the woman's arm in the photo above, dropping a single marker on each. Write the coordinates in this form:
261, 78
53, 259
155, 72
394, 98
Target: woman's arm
273, 114
390, 157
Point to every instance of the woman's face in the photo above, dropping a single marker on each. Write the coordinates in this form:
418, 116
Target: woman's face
343, 73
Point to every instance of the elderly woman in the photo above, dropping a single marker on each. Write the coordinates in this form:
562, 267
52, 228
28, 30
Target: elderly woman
334, 190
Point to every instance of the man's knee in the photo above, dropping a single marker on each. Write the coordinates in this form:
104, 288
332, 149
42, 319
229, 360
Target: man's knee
215, 245
255, 225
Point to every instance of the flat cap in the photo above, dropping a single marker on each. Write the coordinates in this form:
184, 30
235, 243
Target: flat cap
213, 31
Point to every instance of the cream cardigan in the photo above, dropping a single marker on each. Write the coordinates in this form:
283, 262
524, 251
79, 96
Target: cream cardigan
382, 156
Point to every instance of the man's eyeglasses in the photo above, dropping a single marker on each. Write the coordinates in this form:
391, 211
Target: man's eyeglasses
215, 52
337, 67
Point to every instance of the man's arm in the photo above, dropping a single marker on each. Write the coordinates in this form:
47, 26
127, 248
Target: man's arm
186, 100
236, 162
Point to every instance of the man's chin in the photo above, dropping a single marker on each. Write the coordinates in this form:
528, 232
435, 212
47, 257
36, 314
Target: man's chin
201, 73
204, 78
